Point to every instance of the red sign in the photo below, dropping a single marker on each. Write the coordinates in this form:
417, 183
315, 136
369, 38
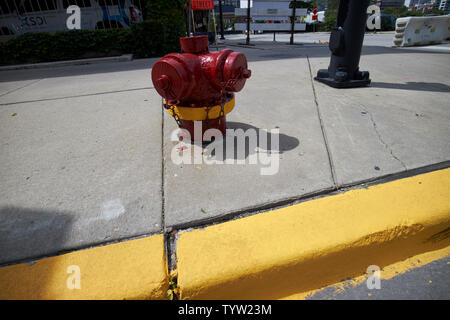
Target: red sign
314, 18
315, 11
202, 4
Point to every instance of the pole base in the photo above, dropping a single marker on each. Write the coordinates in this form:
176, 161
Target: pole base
341, 80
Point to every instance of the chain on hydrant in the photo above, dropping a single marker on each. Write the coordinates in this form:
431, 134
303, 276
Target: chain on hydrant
198, 85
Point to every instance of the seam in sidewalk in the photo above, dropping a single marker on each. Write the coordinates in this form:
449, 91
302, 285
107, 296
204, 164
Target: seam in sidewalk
274, 205
32, 259
315, 245
24, 86
67, 63
163, 218
170, 236
170, 239
76, 96
322, 127
244, 213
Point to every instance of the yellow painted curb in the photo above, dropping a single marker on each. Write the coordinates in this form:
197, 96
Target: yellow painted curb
388, 272
133, 269
316, 243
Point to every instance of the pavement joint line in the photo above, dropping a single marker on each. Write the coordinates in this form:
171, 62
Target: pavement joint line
243, 213
135, 269
171, 238
76, 96
66, 63
169, 244
163, 220
287, 202
80, 248
306, 247
397, 175
24, 86
322, 127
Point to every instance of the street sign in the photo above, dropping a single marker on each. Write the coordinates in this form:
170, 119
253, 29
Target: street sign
315, 17
202, 4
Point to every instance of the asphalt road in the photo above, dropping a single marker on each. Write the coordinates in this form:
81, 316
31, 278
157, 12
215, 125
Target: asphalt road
429, 282
379, 39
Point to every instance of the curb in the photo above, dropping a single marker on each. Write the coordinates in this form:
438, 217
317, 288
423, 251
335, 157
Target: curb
126, 57
313, 244
134, 269
273, 255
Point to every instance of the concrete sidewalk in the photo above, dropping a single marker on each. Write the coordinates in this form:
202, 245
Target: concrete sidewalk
85, 150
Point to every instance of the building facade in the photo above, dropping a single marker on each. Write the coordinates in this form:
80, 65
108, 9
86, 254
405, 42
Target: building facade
444, 5
423, 4
390, 4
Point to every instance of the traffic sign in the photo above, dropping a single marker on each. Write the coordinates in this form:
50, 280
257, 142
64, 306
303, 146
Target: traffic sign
202, 5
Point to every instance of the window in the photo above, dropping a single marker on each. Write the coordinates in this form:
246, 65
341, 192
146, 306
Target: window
4, 31
80, 3
35, 5
6, 7
108, 2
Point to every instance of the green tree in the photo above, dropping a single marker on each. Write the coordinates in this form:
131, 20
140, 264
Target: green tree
302, 5
329, 22
169, 14
164, 10
403, 12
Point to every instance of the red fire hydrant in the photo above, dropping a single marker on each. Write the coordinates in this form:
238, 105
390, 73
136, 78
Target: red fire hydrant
199, 85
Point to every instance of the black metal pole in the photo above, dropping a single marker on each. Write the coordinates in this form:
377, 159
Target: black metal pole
345, 45
189, 18
293, 22
248, 23
222, 37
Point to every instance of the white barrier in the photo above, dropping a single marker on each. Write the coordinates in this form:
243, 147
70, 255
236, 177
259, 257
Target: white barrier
417, 31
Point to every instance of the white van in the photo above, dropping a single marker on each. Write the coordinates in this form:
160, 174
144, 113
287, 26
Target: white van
22, 16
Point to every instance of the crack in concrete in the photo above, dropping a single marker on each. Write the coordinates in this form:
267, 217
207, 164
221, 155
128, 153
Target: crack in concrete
380, 138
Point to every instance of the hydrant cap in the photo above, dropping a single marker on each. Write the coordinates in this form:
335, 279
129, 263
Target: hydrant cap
235, 72
170, 79
197, 44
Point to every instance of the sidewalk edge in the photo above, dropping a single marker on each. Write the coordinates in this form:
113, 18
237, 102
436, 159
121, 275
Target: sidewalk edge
316, 243
134, 269
125, 57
